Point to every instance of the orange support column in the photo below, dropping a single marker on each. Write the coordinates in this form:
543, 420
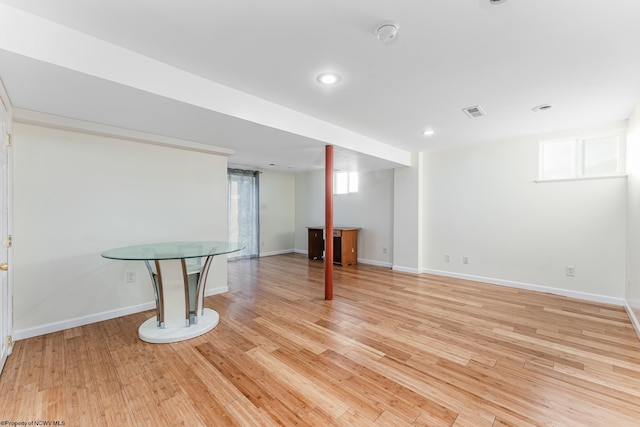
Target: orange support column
328, 217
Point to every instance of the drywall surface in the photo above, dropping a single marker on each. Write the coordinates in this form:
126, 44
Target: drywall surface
483, 203
409, 215
633, 217
277, 213
370, 209
76, 195
309, 206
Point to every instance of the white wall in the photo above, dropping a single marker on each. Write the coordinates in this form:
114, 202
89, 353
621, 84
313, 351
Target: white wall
277, 213
482, 202
633, 218
408, 218
309, 206
76, 195
371, 209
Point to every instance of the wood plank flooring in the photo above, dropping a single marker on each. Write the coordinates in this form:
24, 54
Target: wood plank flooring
391, 349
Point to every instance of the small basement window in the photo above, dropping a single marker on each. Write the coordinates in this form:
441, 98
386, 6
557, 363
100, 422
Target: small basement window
578, 158
345, 182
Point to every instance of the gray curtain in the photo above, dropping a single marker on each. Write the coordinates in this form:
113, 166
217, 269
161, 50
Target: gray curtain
244, 218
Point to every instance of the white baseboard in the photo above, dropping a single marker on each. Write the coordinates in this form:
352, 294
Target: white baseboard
405, 269
61, 325
80, 321
360, 260
529, 286
374, 262
272, 253
632, 317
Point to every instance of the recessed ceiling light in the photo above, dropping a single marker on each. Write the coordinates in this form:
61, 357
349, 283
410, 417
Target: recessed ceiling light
328, 79
543, 107
496, 1
427, 132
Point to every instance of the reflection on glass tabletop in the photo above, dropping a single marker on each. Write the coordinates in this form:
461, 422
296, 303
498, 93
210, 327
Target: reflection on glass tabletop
173, 250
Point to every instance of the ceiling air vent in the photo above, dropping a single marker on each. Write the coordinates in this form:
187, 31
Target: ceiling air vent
474, 111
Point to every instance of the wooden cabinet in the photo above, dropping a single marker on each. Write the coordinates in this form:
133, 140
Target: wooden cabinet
345, 244
316, 243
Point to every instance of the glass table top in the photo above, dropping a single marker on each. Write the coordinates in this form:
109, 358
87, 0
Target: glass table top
172, 250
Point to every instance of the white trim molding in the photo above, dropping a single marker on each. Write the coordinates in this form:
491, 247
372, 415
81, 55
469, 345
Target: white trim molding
529, 286
94, 318
374, 262
65, 123
632, 316
405, 269
280, 252
360, 260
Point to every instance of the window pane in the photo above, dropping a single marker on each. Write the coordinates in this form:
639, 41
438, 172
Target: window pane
353, 182
342, 182
601, 156
559, 160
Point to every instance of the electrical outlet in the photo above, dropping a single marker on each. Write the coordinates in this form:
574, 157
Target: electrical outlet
447, 257
131, 276
465, 260
570, 270
384, 251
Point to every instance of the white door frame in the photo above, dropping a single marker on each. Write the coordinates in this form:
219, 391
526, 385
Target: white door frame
6, 277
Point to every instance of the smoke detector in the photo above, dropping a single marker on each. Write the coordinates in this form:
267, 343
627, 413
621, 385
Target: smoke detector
543, 107
387, 32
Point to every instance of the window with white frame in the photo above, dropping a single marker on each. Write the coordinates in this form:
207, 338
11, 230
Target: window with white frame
345, 182
575, 158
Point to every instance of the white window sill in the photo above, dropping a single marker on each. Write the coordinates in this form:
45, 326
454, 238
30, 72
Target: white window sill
582, 178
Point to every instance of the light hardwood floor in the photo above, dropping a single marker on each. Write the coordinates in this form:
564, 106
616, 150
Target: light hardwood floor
391, 349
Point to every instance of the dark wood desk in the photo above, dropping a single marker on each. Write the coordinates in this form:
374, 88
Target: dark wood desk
345, 244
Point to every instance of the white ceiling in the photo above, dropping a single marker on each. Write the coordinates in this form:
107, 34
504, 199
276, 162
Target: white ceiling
241, 73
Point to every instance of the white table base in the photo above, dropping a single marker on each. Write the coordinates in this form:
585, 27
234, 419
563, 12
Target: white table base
150, 332
179, 294
178, 273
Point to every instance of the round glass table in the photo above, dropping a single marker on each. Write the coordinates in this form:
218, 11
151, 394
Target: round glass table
178, 273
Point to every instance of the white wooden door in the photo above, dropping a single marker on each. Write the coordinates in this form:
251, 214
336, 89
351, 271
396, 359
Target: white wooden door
6, 296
